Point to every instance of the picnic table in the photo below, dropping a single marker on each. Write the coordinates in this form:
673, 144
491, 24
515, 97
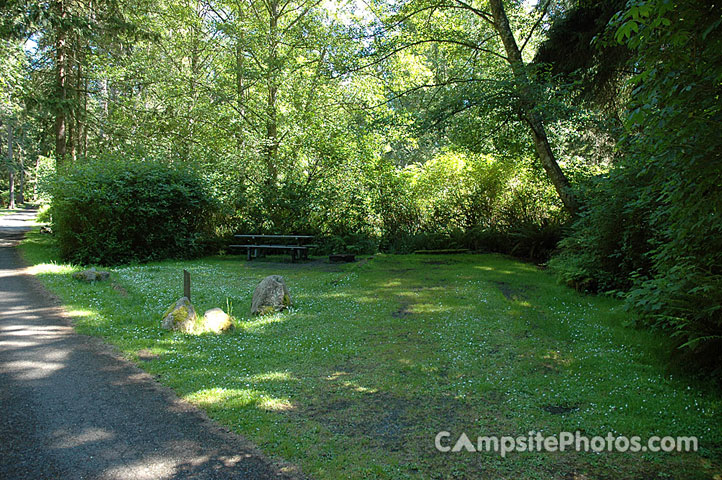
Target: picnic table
260, 243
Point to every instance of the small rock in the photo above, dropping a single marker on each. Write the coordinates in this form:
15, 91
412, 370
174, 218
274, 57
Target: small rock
216, 320
91, 275
46, 229
181, 316
271, 295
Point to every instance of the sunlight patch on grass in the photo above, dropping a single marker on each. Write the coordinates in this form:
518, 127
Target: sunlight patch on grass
556, 357
77, 313
357, 388
211, 396
276, 404
495, 270
336, 375
257, 324
239, 397
427, 308
51, 269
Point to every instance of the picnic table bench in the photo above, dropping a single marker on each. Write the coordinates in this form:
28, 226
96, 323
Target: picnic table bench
297, 249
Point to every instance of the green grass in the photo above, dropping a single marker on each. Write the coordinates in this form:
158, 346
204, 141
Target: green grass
378, 356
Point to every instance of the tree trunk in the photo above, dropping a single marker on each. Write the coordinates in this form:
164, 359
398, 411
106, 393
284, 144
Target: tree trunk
61, 72
105, 96
21, 186
192, 94
35, 183
85, 117
21, 169
271, 107
78, 129
11, 167
272, 135
528, 114
73, 72
240, 91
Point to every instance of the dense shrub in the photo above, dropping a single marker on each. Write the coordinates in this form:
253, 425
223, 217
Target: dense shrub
452, 200
110, 212
535, 242
350, 243
610, 241
44, 214
474, 202
652, 228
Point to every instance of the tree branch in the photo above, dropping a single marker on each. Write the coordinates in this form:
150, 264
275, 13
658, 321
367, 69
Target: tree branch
545, 9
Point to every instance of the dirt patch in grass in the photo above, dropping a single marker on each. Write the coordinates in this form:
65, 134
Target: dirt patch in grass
119, 288
400, 270
319, 264
432, 286
146, 355
440, 262
363, 261
402, 312
514, 293
384, 420
380, 418
560, 409
547, 368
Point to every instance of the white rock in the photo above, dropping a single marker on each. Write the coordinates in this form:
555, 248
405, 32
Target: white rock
216, 320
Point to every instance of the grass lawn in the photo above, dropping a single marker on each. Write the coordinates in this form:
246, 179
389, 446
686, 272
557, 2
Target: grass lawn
377, 357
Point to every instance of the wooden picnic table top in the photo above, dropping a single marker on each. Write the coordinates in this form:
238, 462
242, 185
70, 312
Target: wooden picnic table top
273, 236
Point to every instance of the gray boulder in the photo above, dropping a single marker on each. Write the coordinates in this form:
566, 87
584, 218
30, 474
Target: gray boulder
181, 316
271, 295
91, 275
217, 321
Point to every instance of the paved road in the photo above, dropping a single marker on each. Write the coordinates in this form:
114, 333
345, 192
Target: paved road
71, 408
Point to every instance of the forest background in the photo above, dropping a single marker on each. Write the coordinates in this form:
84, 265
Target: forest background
582, 135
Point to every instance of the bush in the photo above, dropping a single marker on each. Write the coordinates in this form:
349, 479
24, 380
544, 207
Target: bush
610, 240
652, 227
460, 200
358, 244
44, 214
111, 212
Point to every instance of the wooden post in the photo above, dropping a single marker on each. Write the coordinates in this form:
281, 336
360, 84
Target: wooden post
187, 284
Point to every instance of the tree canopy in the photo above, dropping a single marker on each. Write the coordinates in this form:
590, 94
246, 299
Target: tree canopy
401, 125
